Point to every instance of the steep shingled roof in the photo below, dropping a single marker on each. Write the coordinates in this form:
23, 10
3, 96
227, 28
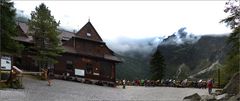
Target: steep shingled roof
23, 26
66, 35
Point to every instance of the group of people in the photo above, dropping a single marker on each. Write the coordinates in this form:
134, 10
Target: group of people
168, 83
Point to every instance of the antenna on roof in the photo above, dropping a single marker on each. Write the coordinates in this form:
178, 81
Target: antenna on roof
88, 19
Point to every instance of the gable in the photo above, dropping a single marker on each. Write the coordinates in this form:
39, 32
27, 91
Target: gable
89, 32
22, 29
23, 26
23, 36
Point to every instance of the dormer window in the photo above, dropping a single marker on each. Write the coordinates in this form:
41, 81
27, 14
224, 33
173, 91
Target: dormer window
89, 34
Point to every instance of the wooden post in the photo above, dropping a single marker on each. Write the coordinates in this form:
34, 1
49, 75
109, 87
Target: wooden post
0, 67
219, 78
0, 62
0, 74
10, 78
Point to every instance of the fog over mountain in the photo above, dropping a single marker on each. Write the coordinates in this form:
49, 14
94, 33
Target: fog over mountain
145, 47
186, 55
141, 46
180, 37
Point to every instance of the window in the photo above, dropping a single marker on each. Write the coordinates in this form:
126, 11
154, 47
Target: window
70, 65
89, 68
89, 34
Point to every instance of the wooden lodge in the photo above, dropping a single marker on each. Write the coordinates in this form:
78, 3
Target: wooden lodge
85, 55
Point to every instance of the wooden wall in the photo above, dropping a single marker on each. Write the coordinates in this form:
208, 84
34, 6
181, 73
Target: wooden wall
100, 69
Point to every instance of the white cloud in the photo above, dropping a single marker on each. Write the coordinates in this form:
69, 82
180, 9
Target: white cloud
137, 19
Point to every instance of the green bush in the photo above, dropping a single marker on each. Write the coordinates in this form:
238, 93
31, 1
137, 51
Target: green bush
17, 85
3, 85
231, 67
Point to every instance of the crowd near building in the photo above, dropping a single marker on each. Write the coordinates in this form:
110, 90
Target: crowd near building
165, 83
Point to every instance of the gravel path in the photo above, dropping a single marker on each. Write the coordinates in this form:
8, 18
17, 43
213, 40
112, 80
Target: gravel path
37, 90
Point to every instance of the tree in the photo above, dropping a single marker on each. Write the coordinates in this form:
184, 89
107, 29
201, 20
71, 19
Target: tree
8, 46
43, 28
233, 20
8, 29
157, 66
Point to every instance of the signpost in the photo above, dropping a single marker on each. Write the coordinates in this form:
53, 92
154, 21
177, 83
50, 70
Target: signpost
6, 63
6, 67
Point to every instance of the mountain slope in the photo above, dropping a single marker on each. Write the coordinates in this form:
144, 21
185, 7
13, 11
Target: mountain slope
197, 56
132, 68
191, 58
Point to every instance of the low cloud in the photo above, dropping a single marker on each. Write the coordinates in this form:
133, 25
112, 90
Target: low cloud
146, 46
180, 37
142, 47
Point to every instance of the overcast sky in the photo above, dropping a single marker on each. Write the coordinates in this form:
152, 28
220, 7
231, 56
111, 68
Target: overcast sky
136, 19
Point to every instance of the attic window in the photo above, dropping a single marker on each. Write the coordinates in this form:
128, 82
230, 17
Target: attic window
89, 34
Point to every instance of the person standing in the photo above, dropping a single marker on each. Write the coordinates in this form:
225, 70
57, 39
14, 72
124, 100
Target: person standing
124, 83
46, 73
210, 85
49, 77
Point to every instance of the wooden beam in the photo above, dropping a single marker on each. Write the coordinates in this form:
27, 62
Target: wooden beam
5, 72
3, 81
28, 73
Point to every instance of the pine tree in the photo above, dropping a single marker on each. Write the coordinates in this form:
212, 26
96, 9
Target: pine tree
43, 28
232, 65
233, 20
157, 66
8, 30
